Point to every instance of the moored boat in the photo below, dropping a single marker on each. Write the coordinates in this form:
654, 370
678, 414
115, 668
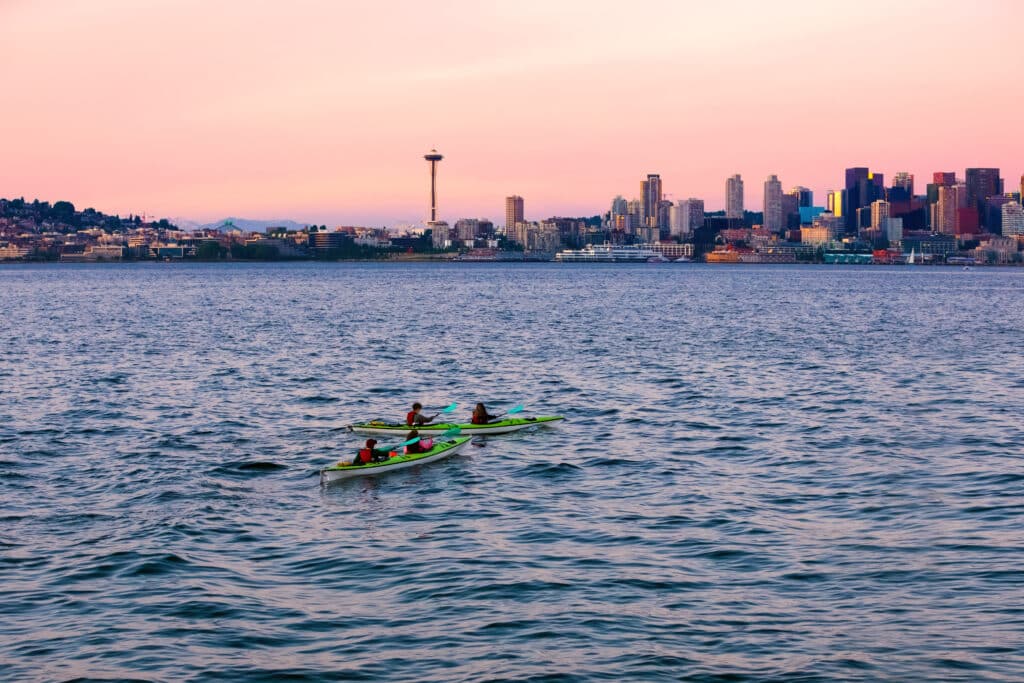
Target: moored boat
511, 424
438, 451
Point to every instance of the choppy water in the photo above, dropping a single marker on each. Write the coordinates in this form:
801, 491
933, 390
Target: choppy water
767, 473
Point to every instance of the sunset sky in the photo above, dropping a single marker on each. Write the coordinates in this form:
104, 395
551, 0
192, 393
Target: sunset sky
320, 110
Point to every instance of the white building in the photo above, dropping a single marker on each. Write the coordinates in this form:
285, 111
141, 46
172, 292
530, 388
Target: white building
774, 220
1013, 219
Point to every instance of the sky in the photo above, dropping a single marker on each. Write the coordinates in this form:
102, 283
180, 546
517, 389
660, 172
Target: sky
321, 110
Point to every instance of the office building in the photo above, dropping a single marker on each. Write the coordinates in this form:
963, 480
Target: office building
862, 188
513, 212
880, 215
1013, 219
650, 199
982, 183
693, 214
804, 196
945, 211
774, 221
734, 197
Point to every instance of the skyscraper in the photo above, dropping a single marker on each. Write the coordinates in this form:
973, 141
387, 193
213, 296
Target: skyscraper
862, 188
951, 199
803, 195
433, 157
513, 211
734, 197
693, 214
880, 215
774, 220
650, 198
982, 183
835, 202
1013, 219
905, 181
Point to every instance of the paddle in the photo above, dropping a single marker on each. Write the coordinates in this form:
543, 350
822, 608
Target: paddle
443, 410
511, 411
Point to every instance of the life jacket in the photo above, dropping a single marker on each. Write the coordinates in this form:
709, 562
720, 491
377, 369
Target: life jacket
478, 420
365, 455
410, 417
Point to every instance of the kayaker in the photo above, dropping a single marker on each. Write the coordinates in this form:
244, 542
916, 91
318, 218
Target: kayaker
369, 454
415, 417
481, 416
414, 447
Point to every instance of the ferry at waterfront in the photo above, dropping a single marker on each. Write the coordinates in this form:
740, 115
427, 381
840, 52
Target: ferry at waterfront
608, 253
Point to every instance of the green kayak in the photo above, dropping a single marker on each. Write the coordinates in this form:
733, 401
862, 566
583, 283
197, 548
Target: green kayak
440, 450
511, 424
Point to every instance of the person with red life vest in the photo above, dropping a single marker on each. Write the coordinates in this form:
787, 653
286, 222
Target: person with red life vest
481, 416
415, 417
370, 454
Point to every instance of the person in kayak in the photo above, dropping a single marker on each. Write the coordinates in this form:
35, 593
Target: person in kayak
481, 416
414, 447
369, 454
415, 417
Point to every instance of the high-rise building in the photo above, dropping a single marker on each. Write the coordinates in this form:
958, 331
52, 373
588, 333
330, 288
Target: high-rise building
904, 181
635, 208
434, 158
982, 183
513, 212
693, 214
894, 229
1022, 189
734, 197
862, 188
834, 202
951, 199
1013, 219
620, 207
774, 220
650, 198
880, 215
804, 196
941, 178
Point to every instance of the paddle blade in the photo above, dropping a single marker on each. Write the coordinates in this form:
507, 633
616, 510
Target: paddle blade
514, 410
454, 431
400, 445
450, 408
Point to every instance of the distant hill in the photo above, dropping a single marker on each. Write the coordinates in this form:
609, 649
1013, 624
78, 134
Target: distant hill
244, 224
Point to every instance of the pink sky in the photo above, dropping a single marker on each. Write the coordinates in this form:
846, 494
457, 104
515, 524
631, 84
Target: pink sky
321, 110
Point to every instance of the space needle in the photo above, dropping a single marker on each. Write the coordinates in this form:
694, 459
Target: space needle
433, 157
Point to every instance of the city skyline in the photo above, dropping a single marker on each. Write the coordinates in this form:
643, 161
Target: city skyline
322, 113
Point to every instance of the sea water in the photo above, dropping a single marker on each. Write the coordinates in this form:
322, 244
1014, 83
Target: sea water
766, 473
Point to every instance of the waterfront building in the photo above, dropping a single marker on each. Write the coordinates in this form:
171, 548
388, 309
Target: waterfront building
650, 200
441, 234
734, 197
982, 183
894, 229
879, 215
1012, 219
804, 196
513, 211
815, 235
773, 216
833, 225
992, 216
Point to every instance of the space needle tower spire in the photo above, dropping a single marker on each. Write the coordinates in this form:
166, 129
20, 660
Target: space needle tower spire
433, 157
